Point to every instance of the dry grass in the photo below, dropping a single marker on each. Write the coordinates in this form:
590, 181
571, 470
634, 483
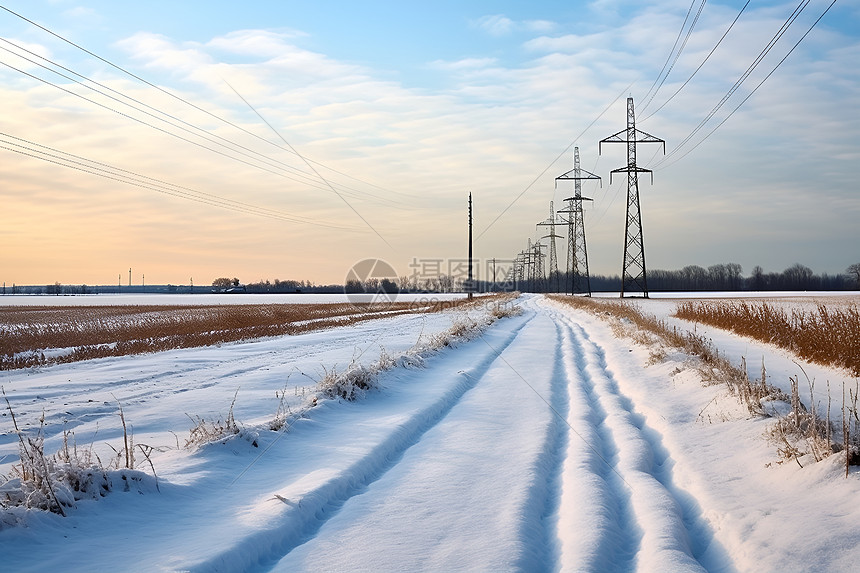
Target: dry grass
353, 382
627, 320
33, 336
203, 432
798, 432
57, 482
827, 335
649, 328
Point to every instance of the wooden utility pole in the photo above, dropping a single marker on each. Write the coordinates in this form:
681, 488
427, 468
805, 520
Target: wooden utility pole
471, 286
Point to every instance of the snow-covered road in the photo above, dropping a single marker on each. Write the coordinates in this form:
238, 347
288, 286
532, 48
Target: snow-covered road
542, 444
542, 464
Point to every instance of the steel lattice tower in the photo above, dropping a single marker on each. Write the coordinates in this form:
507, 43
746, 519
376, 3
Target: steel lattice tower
529, 262
633, 271
578, 279
551, 222
537, 265
519, 270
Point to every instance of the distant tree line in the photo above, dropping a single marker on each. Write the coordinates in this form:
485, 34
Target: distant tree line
277, 286
716, 278
729, 277
721, 277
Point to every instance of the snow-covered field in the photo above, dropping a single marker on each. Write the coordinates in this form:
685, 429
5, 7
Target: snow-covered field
207, 299
544, 443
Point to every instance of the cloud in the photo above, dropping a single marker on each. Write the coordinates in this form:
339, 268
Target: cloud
464, 64
257, 43
540, 26
499, 25
20, 53
158, 52
84, 14
412, 153
496, 25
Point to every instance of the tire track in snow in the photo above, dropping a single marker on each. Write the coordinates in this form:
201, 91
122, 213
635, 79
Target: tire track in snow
502, 507
546, 495
264, 548
597, 526
663, 524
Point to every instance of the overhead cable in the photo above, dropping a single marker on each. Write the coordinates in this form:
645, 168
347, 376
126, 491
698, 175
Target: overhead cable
52, 155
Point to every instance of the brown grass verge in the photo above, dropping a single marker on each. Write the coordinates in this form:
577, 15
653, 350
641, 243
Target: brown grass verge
828, 336
802, 431
27, 333
648, 329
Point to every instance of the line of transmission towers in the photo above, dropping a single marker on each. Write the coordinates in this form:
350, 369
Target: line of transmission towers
535, 270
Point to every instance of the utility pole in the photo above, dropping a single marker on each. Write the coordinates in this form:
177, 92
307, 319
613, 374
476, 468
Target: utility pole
471, 286
129, 276
553, 273
633, 269
494, 275
578, 278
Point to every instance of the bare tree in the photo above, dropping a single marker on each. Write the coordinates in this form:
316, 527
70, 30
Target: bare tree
854, 272
798, 277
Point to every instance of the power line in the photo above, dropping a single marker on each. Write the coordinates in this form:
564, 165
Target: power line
202, 133
178, 98
672, 51
770, 45
756, 88
714, 49
104, 170
565, 150
680, 50
142, 122
323, 179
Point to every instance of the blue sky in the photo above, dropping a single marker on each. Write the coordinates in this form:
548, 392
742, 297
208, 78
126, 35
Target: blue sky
407, 107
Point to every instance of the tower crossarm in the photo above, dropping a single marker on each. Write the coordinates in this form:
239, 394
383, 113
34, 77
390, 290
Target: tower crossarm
571, 176
549, 223
639, 136
580, 198
631, 169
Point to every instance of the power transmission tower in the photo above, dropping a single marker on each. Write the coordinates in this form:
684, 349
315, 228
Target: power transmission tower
525, 258
538, 275
530, 267
517, 271
553, 274
633, 271
578, 278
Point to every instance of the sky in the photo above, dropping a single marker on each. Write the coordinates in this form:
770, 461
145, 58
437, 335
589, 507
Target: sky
292, 140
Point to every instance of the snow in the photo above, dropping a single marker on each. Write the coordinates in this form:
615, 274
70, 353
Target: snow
544, 443
779, 363
209, 299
